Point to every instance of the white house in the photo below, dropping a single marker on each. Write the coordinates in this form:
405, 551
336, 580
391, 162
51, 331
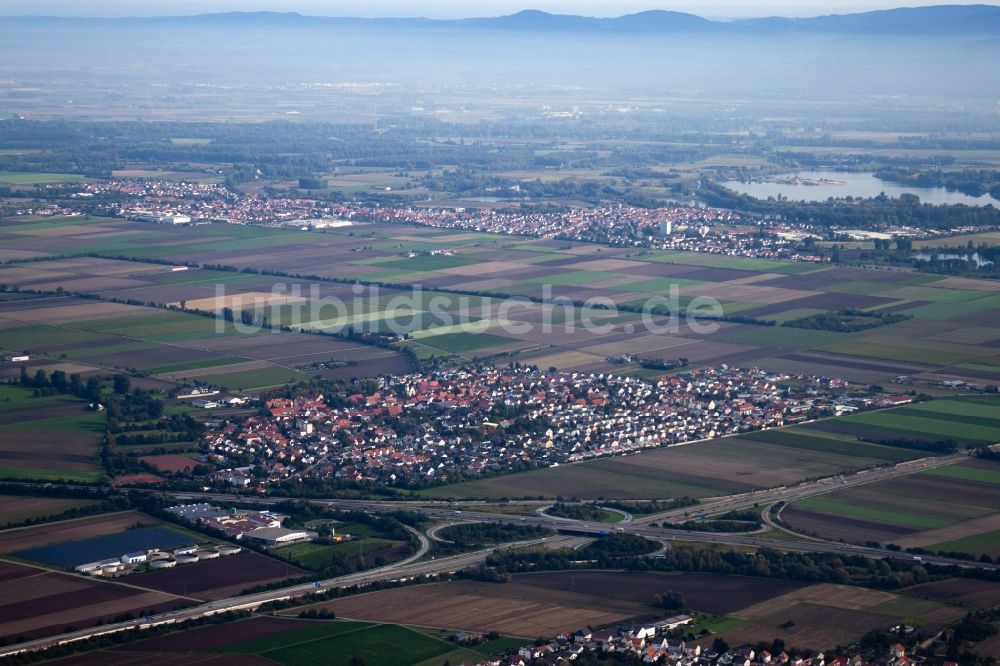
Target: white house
134, 558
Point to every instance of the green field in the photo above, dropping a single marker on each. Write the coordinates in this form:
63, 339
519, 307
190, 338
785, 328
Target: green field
61, 442
983, 406
967, 474
309, 632
988, 542
929, 425
195, 365
926, 341
882, 515
315, 556
255, 379
37, 178
950, 508
337, 643
48, 474
41, 335
458, 343
803, 439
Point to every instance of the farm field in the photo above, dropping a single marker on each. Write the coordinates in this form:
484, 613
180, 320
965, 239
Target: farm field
29, 451
18, 508
78, 335
707, 593
826, 615
954, 508
170, 462
960, 591
756, 460
270, 640
38, 178
966, 421
315, 556
218, 578
510, 609
744, 608
952, 336
35, 602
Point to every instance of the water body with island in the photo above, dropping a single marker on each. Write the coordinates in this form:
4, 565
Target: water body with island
821, 185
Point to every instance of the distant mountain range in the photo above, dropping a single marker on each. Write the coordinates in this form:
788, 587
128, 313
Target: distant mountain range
935, 20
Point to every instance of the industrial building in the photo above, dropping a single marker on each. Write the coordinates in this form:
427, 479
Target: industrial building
276, 536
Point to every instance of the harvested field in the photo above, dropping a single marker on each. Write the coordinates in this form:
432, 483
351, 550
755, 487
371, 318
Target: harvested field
820, 627
337, 643
989, 648
826, 615
219, 578
708, 593
835, 596
755, 287
175, 344
18, 508
170, 463
513, 609
962, 591
35, 602
840, 527
703, 469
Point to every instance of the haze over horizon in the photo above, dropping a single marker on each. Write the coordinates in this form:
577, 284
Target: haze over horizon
448, 9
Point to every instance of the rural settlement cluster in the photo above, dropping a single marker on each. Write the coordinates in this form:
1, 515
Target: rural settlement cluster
474, 422
675, 227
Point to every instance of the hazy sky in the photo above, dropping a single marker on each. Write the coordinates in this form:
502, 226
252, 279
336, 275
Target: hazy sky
453, 8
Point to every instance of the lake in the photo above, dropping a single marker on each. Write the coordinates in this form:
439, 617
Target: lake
821, 185
980, 262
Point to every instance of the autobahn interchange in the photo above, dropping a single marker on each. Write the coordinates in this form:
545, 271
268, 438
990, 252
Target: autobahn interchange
568, 533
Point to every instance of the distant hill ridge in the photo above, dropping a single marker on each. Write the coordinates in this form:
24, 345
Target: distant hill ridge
939, 19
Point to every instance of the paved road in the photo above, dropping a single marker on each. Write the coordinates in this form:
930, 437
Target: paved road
800, 490
570, 532
398, 571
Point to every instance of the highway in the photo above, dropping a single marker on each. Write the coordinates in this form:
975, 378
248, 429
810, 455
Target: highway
801, 490
399, 571
569, 533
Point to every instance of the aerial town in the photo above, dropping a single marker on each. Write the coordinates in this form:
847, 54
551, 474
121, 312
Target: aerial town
506, 333
674, 227
701, 229
473, 422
